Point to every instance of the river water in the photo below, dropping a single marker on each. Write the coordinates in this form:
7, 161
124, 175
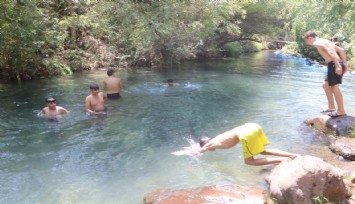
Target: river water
118, 159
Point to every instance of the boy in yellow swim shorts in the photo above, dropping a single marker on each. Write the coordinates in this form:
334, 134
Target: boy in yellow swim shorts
253, 141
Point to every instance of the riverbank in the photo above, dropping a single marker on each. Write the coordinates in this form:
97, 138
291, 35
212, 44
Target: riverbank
308, 60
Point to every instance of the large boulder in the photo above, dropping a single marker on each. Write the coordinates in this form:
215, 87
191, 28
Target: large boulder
210, 194
344, 147
340, 126
305, 178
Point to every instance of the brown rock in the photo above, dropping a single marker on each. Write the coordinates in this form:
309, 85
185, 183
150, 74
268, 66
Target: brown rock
210, 194
319, 123
304, 178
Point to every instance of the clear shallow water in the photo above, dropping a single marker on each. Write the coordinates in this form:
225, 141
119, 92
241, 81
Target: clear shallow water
122, 157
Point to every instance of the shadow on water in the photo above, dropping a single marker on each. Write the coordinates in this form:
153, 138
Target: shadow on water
118, 159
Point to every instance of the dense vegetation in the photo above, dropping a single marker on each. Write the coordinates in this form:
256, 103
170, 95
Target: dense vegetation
40, 38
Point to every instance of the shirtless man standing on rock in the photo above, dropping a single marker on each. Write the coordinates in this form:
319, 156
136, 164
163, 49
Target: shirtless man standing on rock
335, 58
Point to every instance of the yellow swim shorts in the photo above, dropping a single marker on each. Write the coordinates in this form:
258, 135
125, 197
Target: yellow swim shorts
253, 139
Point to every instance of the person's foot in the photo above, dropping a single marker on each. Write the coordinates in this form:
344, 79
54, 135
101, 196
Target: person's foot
328, 110
295, 156
334, 114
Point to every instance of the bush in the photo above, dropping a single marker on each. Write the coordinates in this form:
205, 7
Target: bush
291, 49
249, 46
55, 67
233, 49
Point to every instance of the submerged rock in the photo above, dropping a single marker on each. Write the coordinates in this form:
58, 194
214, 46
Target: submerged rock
305, 178
210, 194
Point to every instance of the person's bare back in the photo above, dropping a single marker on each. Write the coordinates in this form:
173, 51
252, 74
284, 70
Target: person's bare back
227, 139
325, 47
112, 84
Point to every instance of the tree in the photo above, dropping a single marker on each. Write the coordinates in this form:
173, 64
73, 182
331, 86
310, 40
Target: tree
327, 18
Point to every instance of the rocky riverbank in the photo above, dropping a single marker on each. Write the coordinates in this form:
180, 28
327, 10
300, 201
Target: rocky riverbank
330, 176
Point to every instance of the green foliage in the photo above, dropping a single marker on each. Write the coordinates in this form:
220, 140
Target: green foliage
170, 30
55, 67
249, 46
326, 18
321, 200
40, 37
233, 49
262, 19
351, 131
21, 37
316, 200
292, 49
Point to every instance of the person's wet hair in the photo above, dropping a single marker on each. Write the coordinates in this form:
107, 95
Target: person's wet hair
110, 71
204, 140
50, 99
94, 86
310, 34
170, 81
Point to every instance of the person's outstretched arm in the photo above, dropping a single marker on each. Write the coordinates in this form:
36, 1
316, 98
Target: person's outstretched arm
210, 146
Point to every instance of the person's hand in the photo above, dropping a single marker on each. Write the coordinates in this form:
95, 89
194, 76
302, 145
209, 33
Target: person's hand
339, 70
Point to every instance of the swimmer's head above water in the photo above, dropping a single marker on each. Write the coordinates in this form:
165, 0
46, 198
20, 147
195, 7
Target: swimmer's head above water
94, 87
50, 100
171, 83
110, 71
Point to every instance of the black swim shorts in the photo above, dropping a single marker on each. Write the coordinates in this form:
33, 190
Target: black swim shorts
113, 96
332, 77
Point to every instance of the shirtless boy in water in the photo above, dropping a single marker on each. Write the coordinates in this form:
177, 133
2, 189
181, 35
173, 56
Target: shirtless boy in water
112, 85
335, 58
52, 109
253, 141
95, 103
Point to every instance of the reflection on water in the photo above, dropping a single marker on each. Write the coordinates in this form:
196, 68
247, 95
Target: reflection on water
119, 158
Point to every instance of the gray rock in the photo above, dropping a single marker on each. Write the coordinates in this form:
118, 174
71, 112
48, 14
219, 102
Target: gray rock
343, 125
344, 147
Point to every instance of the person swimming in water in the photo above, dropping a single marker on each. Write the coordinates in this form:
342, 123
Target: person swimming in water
52, 109
171, 83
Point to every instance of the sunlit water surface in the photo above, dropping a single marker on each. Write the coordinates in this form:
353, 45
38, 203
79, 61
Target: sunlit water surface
120, 158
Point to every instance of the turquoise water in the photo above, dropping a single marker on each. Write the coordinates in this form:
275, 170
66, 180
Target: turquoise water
120, 158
